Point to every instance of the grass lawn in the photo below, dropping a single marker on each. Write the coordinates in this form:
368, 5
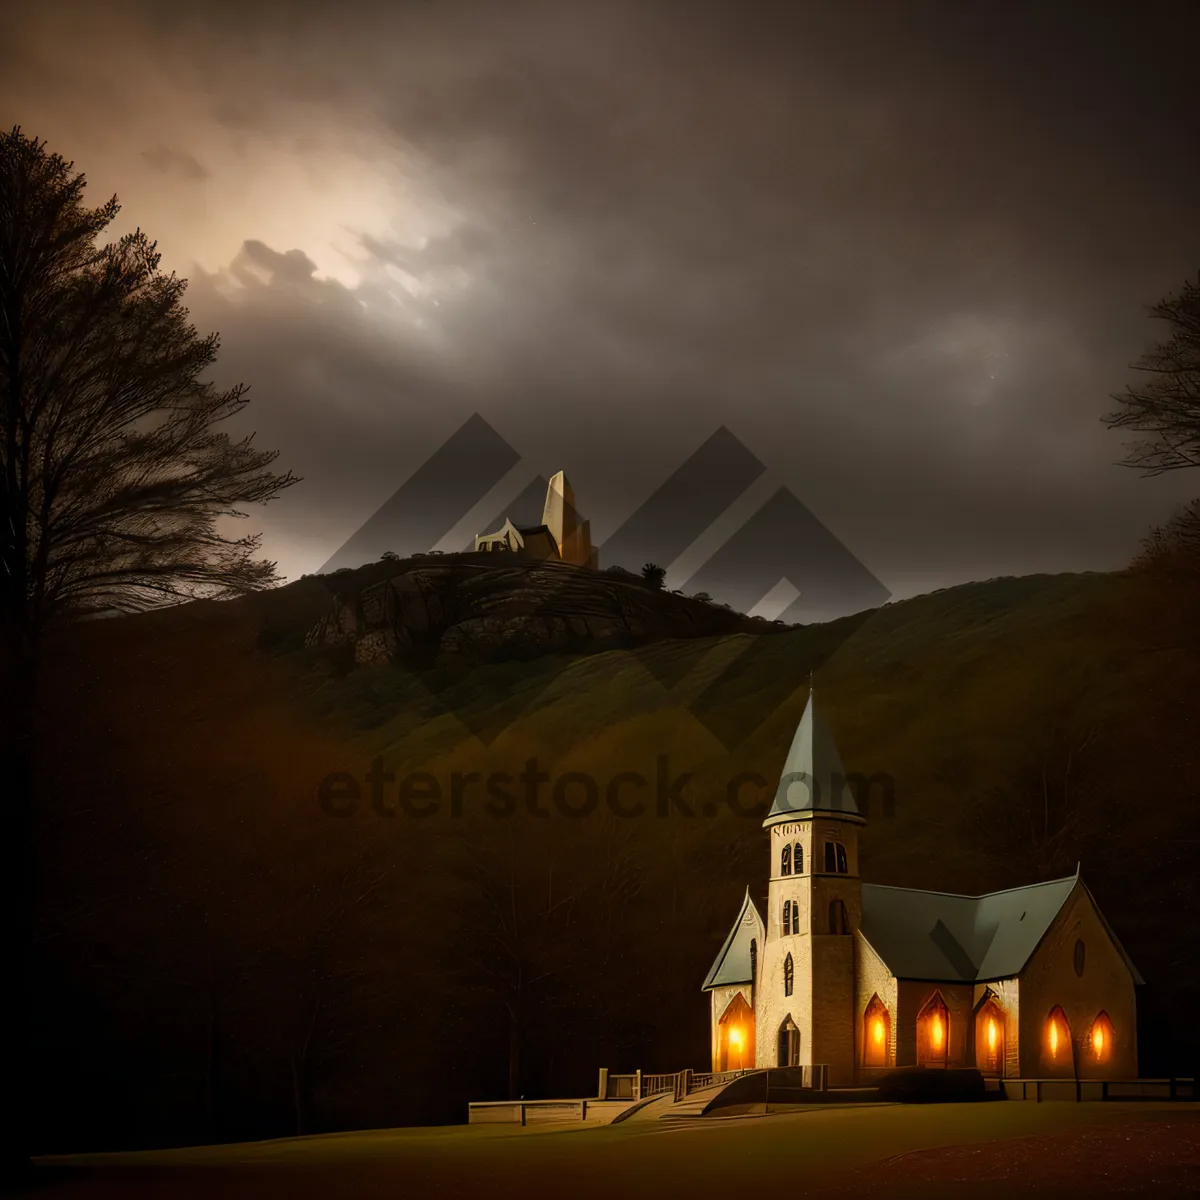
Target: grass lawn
996, 1149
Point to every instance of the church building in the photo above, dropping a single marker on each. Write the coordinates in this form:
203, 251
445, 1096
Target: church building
561, 536
1025, 983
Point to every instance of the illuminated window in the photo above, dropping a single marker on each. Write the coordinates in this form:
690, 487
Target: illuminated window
1057, 1053
789, 975
838, 921
877, 1026
989, 1037
798, 859
933, 1031
785, 867
1098, 1046
842, 866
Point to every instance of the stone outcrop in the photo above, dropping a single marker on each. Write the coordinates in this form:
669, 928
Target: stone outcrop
517, 608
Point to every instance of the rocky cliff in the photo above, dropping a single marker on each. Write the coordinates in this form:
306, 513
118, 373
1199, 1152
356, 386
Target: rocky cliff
473, 606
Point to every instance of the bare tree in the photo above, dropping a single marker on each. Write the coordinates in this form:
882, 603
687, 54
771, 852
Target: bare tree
1175, 546
115, 472
1038, 818
518, 909
1167, 405
323, 978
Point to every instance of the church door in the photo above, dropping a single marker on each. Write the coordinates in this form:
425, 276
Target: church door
789, 1044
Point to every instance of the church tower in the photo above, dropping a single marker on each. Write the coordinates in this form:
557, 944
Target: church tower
572, 537
805, 1010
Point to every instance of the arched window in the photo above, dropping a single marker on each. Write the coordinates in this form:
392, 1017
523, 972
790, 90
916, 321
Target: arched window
830, 864
838, 921
754, 960
989, 1037
842, 866
785, 867
1098, 1047
1057, 1052
933, 1032
877, 1025
795, 916
787, 917
798, 859
789, 975
789, 1043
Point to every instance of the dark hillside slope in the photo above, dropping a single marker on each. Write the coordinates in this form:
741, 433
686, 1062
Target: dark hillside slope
224, 958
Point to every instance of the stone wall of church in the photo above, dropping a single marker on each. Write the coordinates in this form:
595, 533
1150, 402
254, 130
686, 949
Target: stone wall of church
833, 1006
774, 1007
872, 978
1105, 985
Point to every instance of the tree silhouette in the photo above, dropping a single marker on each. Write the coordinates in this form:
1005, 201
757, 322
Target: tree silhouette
115, 473
1167, 405
654, 575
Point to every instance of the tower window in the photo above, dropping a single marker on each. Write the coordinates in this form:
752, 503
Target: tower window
789, 975
787, 917
830, 862
785, 867
838, 921
842, 866
798, 859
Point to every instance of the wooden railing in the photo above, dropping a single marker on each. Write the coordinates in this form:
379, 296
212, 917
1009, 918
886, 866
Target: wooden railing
655, 1085
641, 1086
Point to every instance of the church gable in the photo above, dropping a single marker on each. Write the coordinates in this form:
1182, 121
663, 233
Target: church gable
735, 963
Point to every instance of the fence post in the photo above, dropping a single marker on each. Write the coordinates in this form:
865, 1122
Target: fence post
583, 1110
602, 1094
637, 1084
687, 1081
522, 1114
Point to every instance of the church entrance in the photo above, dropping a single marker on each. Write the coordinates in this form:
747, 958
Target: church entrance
735, 1032
789, 1044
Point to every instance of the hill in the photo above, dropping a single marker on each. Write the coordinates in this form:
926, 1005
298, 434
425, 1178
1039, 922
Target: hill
248, 929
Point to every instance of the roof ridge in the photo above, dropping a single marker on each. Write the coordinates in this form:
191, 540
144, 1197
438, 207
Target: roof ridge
1022, 887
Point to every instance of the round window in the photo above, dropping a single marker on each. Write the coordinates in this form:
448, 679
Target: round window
1080, 956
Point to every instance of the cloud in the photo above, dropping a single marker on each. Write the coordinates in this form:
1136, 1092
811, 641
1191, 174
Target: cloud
904, 260
175, 162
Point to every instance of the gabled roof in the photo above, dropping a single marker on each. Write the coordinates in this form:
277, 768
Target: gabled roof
948, 938
732, 964
813, 778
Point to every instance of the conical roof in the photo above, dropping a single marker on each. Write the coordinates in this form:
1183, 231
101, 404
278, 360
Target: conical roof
813, 778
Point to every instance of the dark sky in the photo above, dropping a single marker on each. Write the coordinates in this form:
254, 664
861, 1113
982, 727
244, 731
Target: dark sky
902, 250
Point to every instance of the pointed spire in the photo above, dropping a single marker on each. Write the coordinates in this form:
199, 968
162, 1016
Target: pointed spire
813, 778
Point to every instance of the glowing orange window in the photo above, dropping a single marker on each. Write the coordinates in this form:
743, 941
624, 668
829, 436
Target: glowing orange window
1098, 1046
